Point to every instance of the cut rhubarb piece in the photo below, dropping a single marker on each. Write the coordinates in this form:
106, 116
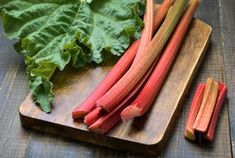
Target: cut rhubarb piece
219, 102
156, 80
93, 116
122, 88
207, 107
113, 76
189, 132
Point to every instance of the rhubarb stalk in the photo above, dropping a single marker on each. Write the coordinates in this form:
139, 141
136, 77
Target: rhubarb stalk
219, 102
147, 32
119, 68
93, 116
160, 14
189, 132
113, 76
207, 107
121, 89
152, 22
106, 122
154, 83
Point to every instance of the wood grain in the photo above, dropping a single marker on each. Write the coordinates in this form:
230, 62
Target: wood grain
147, 134
228, 37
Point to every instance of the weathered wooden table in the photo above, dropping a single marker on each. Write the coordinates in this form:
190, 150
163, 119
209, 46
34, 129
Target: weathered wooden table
219, 63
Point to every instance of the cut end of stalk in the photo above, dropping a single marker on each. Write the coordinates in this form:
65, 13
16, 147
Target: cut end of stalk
189, 135
95, 128
93, 116
130, 112
79, 113
102, 107
86, 121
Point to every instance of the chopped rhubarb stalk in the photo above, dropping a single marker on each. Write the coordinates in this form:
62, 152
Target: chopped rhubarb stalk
219, 102
93, 116
189, 132
156, 80
207, 107
122, 88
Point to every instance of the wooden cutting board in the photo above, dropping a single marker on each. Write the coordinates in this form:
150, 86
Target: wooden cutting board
147, 134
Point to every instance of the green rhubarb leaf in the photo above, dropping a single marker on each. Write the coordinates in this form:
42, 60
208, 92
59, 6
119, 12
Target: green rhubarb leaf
53, 33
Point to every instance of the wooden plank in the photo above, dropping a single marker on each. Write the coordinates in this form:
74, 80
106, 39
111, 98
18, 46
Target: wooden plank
228, 37
147, 134
7, 59
13, 142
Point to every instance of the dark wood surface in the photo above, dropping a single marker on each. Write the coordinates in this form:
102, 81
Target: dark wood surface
147, 134
228, 38
16, 141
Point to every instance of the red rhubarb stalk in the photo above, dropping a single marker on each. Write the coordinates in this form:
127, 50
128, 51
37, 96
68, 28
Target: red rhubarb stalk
113, 76
118, 70
160, 14
122, 88
219, 102
107, 121
207, 107
154, 83
147, 32
152, 22
93, 116
189, 132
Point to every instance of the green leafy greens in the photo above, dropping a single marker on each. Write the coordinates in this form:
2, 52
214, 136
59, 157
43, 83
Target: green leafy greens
53, 33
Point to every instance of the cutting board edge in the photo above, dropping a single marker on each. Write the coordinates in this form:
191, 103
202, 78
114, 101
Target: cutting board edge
126, 145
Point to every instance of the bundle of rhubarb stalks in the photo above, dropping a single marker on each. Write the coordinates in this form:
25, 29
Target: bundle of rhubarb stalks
133, 83
204, 110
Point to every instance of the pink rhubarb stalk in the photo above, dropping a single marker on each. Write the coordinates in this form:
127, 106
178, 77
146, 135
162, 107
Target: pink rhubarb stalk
147, 32
93, 116
207, 107
113, 76
160, 14
152, 20
219, 102
123, 87
189, 132
119, 69
107, 121
154, 83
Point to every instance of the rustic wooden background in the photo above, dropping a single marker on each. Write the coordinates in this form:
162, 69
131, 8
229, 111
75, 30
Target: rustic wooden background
219, 62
